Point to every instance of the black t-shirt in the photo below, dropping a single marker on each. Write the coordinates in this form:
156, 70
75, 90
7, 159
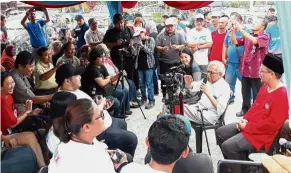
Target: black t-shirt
160, 27
142, 59
88, 79
111, 36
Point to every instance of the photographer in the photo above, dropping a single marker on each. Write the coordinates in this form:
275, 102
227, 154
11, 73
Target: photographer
216, 93
145, 63
118, 40
35, 29
79, 151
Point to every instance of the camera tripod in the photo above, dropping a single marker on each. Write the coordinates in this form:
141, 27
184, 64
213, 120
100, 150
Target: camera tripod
121, 78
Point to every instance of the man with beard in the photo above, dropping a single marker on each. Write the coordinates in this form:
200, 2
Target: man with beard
118, 39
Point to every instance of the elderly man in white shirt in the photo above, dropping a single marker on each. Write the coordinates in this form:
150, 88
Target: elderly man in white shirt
93, 37
216, 93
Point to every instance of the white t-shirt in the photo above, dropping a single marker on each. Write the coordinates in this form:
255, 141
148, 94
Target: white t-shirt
194, 36
134, 168
75, 157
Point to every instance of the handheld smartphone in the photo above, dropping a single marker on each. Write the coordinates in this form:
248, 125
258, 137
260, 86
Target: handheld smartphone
238, 166
67, 61
38, 8
116, 157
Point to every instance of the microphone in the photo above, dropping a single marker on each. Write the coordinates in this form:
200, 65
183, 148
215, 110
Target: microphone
285, 144
182, 66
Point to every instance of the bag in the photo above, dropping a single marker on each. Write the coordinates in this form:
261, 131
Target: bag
31, 124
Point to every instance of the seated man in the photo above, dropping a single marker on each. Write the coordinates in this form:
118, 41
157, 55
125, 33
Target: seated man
69, 55
24, 67
173, 156
261, 123
216, 93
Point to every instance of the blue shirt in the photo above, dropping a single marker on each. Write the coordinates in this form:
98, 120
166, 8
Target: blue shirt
231, 49
36, 34
80, 33
275, 44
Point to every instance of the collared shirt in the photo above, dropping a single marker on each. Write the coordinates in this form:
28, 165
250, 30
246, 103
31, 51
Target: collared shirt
93, 36
221, 91
80, 32
22, 90
253, 54
148, 51
76, 61
40, 69
164, 39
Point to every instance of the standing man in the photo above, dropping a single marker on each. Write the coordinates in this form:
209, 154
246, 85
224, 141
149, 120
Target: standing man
199, 40
93, 37
218, 38
271, 12
119, 41
161, 26
274, 33
79, 31
35, 30
255, 49
214, 20
3, 28
231, 56
168, 44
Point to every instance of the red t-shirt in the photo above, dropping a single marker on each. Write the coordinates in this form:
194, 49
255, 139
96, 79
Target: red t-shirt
266, 116
216, 49
8, 113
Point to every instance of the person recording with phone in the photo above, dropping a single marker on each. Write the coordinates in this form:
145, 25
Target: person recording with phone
35, 29
214, 97
145, 63
119, 41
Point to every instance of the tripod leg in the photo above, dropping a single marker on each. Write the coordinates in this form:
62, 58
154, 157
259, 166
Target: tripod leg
136, 100
202, 118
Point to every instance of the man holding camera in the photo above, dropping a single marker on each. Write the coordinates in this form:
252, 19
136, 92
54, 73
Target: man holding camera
168, 43
118, 39
35, 29
216, 93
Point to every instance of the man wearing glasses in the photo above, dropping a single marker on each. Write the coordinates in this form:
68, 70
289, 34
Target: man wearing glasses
200, 41
216, 93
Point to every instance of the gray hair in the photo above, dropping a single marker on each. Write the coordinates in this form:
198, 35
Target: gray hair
107, 51
219, 66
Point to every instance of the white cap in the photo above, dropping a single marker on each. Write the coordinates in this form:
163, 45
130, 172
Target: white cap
138, 30
216, 13
199, 16
171, 21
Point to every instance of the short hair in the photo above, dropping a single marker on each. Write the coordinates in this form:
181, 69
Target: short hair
106, 50
23, 58
174, 15
264, 21
41, 50
206, 13
3, 17
66, 45
219, 65
237, 15
138, 19
95, 53
225, 16
91, 20
172, 139
117, 17
272, 9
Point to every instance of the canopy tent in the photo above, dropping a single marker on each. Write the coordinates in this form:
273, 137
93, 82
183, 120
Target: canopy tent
283, 8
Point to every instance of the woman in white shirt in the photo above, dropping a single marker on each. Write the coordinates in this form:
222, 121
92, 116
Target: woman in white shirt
79, 151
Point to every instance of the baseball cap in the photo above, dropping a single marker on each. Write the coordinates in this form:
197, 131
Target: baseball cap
165, 16
79, 17
138, 30
65, 71
216, 13
199, 16
171, 21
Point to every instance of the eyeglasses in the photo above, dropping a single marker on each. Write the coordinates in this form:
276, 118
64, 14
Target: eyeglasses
212, 72
101, 115
265, 71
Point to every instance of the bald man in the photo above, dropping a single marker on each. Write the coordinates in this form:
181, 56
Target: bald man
218, 39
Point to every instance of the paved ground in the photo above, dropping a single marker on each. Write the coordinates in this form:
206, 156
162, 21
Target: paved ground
140, 127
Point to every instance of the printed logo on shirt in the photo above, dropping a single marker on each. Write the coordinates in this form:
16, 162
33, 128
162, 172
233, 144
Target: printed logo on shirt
267, 106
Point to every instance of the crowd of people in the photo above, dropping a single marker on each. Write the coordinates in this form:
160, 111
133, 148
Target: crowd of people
65, 103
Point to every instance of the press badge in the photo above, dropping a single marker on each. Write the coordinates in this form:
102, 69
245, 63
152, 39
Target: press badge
267, 106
